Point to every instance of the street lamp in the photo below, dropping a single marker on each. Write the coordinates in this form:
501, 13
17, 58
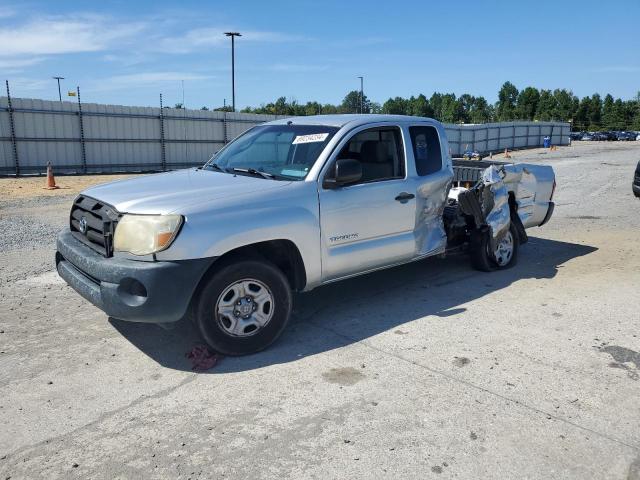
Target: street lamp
59, 93
233, 67
361, 94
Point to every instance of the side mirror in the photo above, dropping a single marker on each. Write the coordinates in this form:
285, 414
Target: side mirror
346, 170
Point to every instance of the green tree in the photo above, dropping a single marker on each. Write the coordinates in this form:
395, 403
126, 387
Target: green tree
419, 106
465, 102
507, 101
480, 111
595, 112
635, 112
312, 108
351, 103
375, 107
527, 104
546, 106
396, 106
328, 109
581, 117
566, 104
436, 105
452, 109
608, 114
620, 118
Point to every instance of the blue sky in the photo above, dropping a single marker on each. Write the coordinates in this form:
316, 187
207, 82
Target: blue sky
126, 52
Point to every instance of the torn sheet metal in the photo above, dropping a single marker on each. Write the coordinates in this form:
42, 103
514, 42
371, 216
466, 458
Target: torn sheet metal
431, 198
523, 183
495, 202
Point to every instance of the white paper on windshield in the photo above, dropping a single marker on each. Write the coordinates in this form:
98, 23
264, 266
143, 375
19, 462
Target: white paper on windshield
294, 173
314, 137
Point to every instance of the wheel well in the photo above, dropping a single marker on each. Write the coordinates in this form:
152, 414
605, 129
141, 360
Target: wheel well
282, 253
513, 205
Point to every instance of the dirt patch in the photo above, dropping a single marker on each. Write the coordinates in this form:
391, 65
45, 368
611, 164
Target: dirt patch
27, 187
343, 376
461, 361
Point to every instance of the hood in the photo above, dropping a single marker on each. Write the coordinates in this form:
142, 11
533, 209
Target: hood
169, 192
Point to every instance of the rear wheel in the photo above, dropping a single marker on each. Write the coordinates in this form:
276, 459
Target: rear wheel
504, 255
244, 307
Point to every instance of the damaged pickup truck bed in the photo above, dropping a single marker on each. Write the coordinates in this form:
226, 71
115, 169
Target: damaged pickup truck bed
288, 206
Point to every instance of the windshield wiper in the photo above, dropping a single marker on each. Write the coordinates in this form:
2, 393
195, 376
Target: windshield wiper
253, 171
217, 167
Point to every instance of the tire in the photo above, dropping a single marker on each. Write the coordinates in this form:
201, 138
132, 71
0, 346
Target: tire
486, 261
243, 307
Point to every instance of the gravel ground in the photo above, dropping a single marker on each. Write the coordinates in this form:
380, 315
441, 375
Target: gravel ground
430, 370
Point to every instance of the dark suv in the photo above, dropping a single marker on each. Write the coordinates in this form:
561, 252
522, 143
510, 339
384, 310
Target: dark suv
636, 182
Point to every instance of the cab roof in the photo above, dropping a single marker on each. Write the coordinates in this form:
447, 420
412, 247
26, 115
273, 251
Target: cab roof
348, 119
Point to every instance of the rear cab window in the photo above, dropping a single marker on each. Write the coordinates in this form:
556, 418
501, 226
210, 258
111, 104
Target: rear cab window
426, 149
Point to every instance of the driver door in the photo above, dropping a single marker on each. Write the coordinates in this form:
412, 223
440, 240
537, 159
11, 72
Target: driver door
369, 224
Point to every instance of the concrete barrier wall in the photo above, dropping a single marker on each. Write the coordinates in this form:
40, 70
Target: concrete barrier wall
112, 138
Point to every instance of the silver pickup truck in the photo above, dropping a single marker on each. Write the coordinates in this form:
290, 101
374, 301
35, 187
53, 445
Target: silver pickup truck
288, 206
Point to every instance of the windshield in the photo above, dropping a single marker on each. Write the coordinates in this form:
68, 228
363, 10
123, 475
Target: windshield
280, 151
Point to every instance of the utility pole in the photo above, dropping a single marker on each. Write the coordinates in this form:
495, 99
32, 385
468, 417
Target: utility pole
233, 35
59, 93
361, 94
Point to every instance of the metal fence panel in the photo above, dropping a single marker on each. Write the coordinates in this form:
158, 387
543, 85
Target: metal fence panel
495, 137
120, 138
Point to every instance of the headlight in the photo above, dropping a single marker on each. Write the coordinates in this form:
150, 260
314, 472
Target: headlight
145, 234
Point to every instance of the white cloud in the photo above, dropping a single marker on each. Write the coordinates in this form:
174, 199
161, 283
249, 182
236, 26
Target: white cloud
55, 35
201, 38
297, 68
30, 85
6, 12
152, 78
17, 64
618, 69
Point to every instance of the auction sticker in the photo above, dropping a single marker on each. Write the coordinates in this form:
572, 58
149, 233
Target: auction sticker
314, 137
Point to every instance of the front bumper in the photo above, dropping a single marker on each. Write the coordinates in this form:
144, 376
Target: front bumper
636, 189
139, 291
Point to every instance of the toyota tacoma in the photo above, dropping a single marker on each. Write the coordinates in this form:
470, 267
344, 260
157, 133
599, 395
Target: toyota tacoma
286, 207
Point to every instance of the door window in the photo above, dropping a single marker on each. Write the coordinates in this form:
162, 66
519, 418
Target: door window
379, 151
426, 149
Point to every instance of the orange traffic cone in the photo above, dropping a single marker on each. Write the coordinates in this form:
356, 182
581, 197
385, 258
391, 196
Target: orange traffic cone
506, 153
51, 181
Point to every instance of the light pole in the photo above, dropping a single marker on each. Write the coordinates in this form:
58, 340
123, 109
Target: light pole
233, 67
361, 94
59, 93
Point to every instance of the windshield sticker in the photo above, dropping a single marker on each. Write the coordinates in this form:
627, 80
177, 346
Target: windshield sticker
294, 173
314, 137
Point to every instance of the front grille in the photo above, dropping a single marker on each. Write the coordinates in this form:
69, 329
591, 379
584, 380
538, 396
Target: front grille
93, 223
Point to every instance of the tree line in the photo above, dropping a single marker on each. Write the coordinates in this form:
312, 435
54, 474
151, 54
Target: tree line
589, 113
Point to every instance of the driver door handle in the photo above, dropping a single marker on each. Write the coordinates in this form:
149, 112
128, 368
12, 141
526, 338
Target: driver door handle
404, 197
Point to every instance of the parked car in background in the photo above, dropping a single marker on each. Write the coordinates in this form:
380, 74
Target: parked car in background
636, 181
576, 135
587, 136
626, 136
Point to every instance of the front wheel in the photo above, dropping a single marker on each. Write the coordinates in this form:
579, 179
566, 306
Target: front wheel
505, 254
244, 307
